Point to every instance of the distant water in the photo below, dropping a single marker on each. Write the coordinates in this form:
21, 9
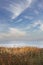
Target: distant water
22, 44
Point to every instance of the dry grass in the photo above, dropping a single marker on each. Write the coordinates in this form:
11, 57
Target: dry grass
21, 56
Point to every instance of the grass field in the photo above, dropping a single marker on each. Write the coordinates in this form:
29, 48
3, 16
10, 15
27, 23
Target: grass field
21, 56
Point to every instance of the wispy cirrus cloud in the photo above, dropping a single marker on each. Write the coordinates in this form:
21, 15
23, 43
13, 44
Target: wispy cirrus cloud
39, 24
17, 8
35, 26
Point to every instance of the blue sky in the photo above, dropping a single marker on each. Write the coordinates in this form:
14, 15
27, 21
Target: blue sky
21, 21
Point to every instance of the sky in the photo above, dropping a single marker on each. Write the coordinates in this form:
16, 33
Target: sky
21, 23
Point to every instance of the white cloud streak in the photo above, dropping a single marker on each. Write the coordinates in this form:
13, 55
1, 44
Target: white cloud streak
17, 8
40, 23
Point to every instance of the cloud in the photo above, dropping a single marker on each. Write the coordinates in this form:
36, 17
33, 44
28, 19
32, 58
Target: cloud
12, 34
28, 17
17, 8
19, 20
35, 26
31, 26
38, 23
24, 34
41, 27
16, 32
